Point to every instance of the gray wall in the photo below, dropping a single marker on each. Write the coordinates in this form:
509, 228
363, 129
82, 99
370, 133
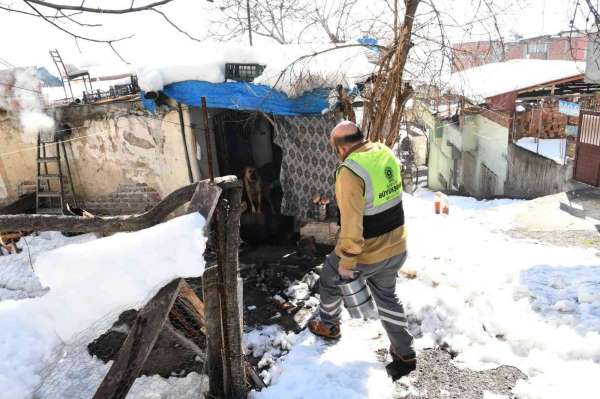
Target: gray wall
530, 175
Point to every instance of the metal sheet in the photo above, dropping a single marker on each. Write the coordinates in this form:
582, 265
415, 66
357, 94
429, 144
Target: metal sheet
587, 154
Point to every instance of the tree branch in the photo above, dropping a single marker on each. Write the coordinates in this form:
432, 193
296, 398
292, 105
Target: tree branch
9, 9
131, 9
175, 25
76, 36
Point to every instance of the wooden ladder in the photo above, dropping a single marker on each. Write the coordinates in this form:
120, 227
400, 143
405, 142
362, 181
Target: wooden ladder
52, 186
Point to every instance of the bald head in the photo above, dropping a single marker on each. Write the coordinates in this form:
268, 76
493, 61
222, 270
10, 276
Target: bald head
345, 136
346, 132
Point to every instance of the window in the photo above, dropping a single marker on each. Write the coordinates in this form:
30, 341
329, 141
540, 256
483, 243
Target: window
537, 47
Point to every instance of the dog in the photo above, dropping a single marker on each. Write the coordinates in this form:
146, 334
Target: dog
8, 242
253, 188
256, 189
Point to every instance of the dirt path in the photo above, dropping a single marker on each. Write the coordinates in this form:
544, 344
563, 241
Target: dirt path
560, 238
437, 377
569, 219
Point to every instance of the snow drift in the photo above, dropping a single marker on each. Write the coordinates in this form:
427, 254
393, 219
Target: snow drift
493, 299
86, 282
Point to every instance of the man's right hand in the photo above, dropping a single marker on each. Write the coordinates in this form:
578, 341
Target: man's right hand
346, 274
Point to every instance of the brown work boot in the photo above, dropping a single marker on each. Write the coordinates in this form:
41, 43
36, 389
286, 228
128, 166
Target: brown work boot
325, 330
405, 359
401, 365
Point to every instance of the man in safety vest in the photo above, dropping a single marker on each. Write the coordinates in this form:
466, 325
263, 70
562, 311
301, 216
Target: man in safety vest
372, 238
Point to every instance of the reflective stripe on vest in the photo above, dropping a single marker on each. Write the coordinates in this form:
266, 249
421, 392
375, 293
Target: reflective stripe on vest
380, 172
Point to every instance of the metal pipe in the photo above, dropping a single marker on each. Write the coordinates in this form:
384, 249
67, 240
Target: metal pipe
185, 146
211, 173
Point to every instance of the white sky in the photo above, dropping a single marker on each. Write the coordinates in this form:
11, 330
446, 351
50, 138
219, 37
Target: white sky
26, 40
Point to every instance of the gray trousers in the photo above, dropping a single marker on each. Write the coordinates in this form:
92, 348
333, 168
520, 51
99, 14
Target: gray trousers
381, 279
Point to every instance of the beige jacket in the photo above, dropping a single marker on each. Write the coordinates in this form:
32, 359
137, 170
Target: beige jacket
351, 247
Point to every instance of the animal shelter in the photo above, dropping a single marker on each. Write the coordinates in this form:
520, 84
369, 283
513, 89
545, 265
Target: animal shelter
278, 147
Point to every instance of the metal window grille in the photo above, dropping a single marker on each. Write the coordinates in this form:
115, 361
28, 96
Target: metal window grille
243, 72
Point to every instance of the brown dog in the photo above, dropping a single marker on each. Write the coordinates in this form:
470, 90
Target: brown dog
8, 242
253, 188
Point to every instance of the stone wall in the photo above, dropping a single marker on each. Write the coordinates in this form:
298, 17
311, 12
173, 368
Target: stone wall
123, 159
531, 175
126, 199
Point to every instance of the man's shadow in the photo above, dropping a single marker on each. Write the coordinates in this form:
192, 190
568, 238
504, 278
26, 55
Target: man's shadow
583, 204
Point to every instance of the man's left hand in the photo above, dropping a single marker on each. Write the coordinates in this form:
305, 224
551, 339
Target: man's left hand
346, 274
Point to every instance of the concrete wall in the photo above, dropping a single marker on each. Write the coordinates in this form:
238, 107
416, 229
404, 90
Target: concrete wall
123, 160
488, 142
485, 140
440, 156
531, 175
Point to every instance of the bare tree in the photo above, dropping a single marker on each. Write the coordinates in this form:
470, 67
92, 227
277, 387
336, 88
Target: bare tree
389, 92
332, 17
285, 21
415, 45
269, 18
69, 18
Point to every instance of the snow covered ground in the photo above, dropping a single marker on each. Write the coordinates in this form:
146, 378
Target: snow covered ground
87, 281
493, 299
553, 149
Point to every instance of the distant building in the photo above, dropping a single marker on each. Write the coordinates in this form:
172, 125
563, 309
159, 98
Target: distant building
567, 46
508, 136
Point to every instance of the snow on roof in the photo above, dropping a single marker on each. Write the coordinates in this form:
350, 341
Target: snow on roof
498, 78
345, 66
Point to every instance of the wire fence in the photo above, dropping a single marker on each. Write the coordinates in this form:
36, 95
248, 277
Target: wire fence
176, 365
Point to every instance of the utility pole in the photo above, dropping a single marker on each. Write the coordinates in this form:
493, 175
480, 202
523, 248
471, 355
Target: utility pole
249, 21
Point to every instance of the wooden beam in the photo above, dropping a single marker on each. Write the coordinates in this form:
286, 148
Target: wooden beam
138, 344
228, 241
205, 200
109, 224
214, 338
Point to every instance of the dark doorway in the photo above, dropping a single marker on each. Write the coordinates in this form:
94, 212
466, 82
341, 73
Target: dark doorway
245, 141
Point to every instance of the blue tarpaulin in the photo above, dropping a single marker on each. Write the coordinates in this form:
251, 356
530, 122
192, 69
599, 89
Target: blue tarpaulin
243, 96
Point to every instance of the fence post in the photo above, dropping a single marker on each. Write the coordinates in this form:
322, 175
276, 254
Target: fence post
214, 344
228, 241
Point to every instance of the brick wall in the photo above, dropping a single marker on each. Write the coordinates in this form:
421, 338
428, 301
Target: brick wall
473, 54
128, 199
552, 125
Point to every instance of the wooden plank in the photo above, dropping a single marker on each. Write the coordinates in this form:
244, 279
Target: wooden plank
228, 241
138, 344
205, 200
193, 304
214, 345
80, 224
